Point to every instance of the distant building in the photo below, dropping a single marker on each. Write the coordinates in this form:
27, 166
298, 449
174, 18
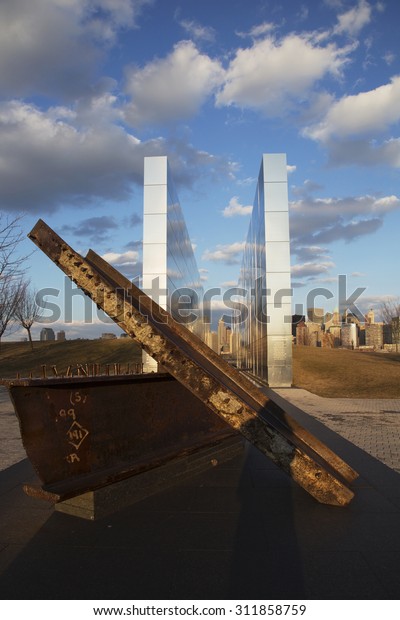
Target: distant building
211, 339
334, 320
314, 331
327, 340
108, 336
374, 335
335, 332
316, 315
388, 334
349, 335
351, 318
309, 334
222, 335
47, 334
234, 342
370, 317
301, 333
61, 335
296, 319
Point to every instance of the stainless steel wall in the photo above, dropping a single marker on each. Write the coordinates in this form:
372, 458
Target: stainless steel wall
265, 341
170, 273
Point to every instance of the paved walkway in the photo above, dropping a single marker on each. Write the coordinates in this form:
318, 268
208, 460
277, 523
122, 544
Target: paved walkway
242, 530
11, 448
371, 424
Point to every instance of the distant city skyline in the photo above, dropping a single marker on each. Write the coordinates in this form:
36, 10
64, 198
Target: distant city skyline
90, 88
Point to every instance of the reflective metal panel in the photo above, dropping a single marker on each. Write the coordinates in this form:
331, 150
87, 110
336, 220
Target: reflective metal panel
155, 199
264, 339
276, 197
155, 170
274, 167
154, 228
155, 258
277, 256
279, 319
168, 252
277, 225
279, 285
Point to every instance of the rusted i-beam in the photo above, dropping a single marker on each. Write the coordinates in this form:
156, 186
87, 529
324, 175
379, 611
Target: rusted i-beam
217, 385
237, 381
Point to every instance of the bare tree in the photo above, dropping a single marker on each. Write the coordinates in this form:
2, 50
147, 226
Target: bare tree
11, 264
11, 269
27, 311
390, 313
10, 291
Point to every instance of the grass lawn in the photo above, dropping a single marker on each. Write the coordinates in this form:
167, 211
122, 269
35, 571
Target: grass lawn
327, 372
17, 356
344, 373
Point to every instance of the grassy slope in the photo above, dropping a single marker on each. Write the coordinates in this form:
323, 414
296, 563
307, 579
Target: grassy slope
344, 373
17, 357
327, 372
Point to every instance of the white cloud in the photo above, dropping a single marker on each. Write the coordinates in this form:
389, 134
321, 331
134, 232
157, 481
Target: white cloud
171, 88
229, 284
128, 263
306, 189
48, 159
258, 31
361, 114
122, 13
389, 58
73, 156
95, 228
310, 253
269, 77
189, 164
247, 181
365, 153
291, 169
353, 21
197, 31
235, 208
229, 254
311, 269
325, 220
52, 46
123, 259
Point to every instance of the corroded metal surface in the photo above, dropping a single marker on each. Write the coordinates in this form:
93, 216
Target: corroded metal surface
227, 393
81, 433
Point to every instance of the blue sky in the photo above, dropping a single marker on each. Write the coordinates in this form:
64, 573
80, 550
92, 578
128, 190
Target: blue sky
90, 87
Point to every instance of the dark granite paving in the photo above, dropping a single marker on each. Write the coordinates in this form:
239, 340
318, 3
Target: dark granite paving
242, 530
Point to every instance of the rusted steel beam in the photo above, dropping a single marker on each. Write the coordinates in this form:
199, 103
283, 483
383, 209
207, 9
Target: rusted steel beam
83, 433
237, 381
216, 385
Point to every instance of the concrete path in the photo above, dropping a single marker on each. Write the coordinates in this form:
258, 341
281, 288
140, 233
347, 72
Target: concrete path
242, 530
11, 448
371, 424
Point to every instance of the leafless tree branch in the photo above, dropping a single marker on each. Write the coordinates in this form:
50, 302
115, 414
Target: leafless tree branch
27, 311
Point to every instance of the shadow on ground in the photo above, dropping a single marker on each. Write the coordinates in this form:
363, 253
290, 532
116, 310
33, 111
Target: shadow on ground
240, 531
